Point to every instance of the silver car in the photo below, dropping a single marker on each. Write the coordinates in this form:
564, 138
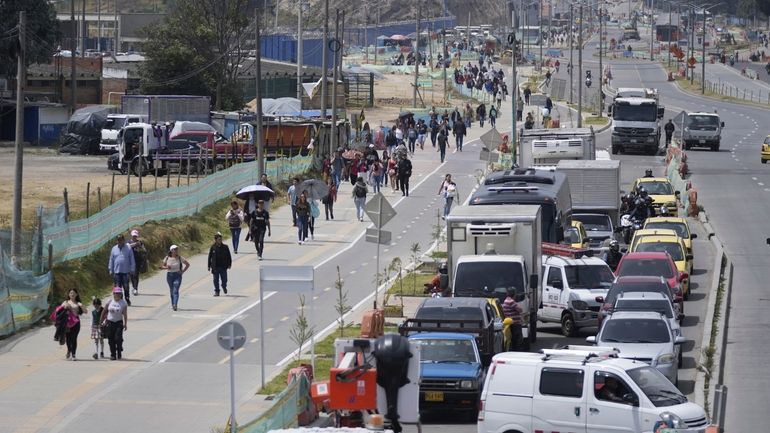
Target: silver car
642, 336
598, 227
655, 302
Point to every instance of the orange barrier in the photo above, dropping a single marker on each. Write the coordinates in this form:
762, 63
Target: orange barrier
692, 194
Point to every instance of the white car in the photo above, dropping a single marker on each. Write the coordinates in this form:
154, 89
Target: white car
570, 289
642, 336
651, 301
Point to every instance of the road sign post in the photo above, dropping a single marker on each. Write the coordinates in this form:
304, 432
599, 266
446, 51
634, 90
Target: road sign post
380, 212
285, 279
491, 141
232, 336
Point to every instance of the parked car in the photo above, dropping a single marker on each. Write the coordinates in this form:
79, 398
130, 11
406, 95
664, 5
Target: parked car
570, 289
642, 336
677, 224
654, 264
451, 373
580, 388
650, 301
634, 284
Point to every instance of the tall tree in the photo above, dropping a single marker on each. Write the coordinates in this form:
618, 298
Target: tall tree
196, 50
42, 32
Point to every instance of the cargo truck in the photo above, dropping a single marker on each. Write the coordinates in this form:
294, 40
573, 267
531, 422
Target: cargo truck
168, 108
635, 125
493, 248
546, 147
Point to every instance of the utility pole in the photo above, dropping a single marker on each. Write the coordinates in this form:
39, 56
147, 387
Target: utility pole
299, 54
366, 30
417, 56
325, 65
336, 49
691, 25
443, 58
99, 26
542, 40
703, 56
601, 70
115, 31
21, 72
580, 68
259, 141
74, 39
652, 29
377, 32
468, 32
83, 34
669, 33
514, 88
571, 43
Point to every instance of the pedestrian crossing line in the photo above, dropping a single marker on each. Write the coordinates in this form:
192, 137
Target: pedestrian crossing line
269, 330
327, 289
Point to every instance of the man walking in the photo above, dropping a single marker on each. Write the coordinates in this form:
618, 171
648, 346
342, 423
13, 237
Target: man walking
121, 265
293, 196
512, 310
260, 224
481, 113
405, 171
442, 144
669, 128
219, 262
459, 132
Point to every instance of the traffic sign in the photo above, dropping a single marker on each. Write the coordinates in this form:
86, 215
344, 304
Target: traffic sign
379, 210
491, 139
691, 61
384, 236
231, 336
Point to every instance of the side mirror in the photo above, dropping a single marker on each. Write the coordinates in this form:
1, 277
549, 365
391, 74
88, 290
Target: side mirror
591, 339
624, 250
768, 241
693, 236
631, 399
680, 340
519, 297
599, 299
722, 124
677, 194
533, 281
689, 257
679, 317
683, 276
558, 284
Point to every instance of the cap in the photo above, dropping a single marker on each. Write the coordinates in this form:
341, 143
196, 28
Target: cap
173, 247
371, 145
134, 232
217, 235
117, 290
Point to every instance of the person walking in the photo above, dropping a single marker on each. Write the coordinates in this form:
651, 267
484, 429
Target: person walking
315, 212
115, 320
376, 170
74, 308
234, 218
422, 131
96, 328
459, 131
447, 189
219, 262
405, 172
512, 310
442, 144
293, 197
264, 182
338, 165
434, 127
176, 266
329, 199
392, 171
260, 224
411, 136
669, 129
121, 265
481, 113
468, 115
390, 140
527, 94
303, 218
492, 116
140, 259
499, 97
359, 197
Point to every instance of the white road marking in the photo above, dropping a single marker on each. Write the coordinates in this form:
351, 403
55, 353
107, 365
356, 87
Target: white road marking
284, 318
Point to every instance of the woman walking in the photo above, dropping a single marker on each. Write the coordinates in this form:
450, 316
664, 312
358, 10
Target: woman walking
115, 319
234, 219
359, 197
74, 309
315, 212
448, 189
376, 176
329, 200
176, 265
392, 173
303, 218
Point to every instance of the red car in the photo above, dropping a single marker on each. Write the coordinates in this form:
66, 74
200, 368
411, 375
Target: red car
655, 264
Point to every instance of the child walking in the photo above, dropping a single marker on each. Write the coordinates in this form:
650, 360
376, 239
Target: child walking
96, 329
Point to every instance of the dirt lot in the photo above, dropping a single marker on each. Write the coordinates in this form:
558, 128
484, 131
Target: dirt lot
47, 173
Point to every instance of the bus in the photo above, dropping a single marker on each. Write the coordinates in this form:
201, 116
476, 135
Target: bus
529, 35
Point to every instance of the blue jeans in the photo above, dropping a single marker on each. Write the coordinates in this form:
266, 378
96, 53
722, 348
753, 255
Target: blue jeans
236, 232
122, 280
218, 273
459, 141
336, 176
174, 280
302, 227
360, 202
448, 204
376, 180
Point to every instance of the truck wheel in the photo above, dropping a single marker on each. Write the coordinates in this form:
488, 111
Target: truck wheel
140, 169
715, 147
652, 151
568, 328
764, 161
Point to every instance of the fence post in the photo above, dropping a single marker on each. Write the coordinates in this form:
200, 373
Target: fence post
179, 172
744, 93
99, 197
156, 175
128, 181
371, 89
752, 96
39, 242
188, 167
50, 256
141, 173
66, 206
88, 200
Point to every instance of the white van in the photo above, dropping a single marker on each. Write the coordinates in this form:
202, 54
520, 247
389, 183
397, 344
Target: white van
581, 389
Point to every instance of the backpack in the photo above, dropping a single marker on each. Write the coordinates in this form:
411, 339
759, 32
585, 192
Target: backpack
234, 220
359, 191
140, 259
412, 133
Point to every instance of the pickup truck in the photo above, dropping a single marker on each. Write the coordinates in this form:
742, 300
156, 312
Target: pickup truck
474, 316
451, 373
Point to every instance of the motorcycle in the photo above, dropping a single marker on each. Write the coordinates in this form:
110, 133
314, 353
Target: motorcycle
628, 226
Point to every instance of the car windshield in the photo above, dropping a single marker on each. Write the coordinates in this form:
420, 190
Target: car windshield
635, 331
589, 276
132, 135
662, 306
488, 279
635, 113
672, 248
679, 228
657, 188
646, 268
624, 287
439, 350
594, 222
701, 120
656, 386
114, 123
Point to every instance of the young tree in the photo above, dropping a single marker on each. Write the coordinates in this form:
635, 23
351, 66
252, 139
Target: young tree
302, 331
415, 257
341, 306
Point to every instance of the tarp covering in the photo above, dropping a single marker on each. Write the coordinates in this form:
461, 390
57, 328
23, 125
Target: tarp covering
84, 130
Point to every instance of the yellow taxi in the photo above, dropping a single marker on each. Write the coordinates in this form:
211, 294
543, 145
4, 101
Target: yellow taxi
677, 224
766, 150
641, 234
674, 246
661, 192
576, 235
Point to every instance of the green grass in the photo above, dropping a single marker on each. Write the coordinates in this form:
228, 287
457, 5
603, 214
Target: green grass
412, 283
324, 359
439, 254
595, 120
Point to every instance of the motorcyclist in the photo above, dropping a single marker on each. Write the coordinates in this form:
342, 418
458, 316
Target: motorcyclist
613, 255
663, 211
648, 173
439, 284
641, 210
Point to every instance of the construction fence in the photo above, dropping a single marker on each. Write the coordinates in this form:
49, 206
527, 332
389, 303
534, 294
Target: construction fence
26, 280
288, 405
725, 88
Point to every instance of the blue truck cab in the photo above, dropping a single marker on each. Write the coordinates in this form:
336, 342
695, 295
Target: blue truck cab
451, 372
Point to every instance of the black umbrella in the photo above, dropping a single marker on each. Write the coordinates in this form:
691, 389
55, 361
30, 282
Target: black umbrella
314, 189
261, 191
